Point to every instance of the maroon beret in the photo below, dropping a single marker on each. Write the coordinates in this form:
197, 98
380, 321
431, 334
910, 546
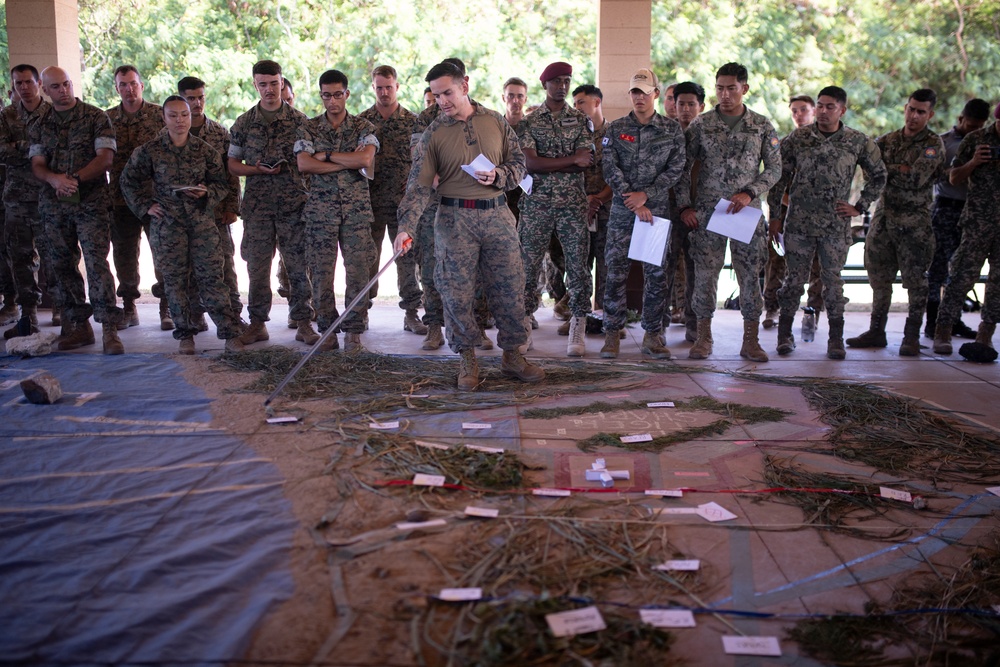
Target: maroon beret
554, 70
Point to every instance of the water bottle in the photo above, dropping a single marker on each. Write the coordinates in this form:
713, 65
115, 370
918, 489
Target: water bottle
809, 324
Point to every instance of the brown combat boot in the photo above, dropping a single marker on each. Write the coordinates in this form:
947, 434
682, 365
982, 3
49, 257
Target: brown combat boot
112, 344
256, 332
484, 341
612, 343
305, 333
166, 322
513, 364
751, 342
786, 341
942, 337
78, 334
875, 336
434, 338
27, 325
702, 348
352, 343
468, 371
411, 322
911, 338
835, 342
985, 333
653, 345
130, 317
186, 345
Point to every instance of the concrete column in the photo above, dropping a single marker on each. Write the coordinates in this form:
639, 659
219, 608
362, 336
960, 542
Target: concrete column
624, 32
45, 33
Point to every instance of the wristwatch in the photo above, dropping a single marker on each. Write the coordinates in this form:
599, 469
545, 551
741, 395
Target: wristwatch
75, 176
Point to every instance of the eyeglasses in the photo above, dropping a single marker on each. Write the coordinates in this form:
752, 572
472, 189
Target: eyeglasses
339, 95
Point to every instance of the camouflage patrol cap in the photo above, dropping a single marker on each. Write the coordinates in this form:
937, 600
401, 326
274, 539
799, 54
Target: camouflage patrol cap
644, 80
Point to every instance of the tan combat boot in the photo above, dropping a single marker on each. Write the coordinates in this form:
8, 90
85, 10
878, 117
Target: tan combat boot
702, 348
786, 341
560, 311
186, 345
576, 347
257, 331
130, 317
468, 371
835, 341
911, 338
434, 339
484, 341
942, 337
513, 364
27, 325
352, 342
654, 346
411, 322
985, 333
78, 334
305, 333
166, 322
112, 344
612, 343
751, 342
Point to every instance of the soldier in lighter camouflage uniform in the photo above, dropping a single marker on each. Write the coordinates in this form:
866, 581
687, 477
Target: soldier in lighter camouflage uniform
731, 142
334, 147
474, 230
182, 227
24, 234
978, 162
71, 149
643, 159
393, 128
261, 149
901, 238
817, 166
136, 122
215, 135
558, 145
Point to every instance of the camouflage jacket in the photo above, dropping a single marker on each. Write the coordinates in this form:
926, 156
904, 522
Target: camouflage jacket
158, 167
593, 176
730, 160
983, 203
21, 185
552, 135
217, 136
69, 143
644, 158
817, 171
316, 135
509, 161
255, 140
393, 163
908, 197
131, 131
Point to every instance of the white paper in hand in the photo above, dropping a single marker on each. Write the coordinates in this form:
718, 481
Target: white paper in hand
526, 183
779, 245
481, 163
649, 241
740, 226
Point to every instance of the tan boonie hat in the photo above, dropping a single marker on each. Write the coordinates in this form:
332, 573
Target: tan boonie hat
644, 80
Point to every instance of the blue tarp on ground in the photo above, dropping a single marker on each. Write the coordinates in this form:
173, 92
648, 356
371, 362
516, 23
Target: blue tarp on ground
129, 529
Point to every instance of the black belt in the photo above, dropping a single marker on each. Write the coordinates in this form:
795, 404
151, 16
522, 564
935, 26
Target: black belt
482, 204
948, 202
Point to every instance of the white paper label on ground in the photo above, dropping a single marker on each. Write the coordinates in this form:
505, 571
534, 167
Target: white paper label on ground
667, 618
550, 492
415, 395
678, 510
995, 490
660, 404
680, 565
541, 442
751, 645
895, 494
665, 493
414, 525
85, 397
460, 594
383, 426
430, 445
476, 425
715, 512
282, 420
488, 450
575, 622
421, 479
638, 437
484, 512
733, 390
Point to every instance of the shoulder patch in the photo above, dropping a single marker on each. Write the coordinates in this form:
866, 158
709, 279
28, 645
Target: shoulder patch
605, 141
930, 152
626, 137
775, 141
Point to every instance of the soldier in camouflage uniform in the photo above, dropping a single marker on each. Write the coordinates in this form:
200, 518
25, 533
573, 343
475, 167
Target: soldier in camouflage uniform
901, 238
261, 149
474, 231
949, 200
215, 135
730, 142
393, 128
334, 147
589, 100
817, 166
71, 149
182, 228
643, 159
24, 234
136, 122
558, 145
978, 162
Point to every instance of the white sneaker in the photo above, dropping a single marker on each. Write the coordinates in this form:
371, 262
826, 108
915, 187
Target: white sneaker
576, 345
